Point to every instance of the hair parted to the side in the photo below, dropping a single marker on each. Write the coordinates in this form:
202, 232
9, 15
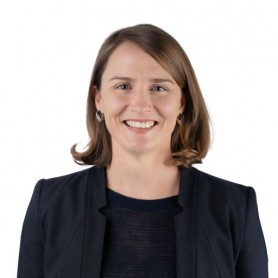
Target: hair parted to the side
191, 139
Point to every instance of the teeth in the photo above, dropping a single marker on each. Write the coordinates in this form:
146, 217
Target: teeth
147, 124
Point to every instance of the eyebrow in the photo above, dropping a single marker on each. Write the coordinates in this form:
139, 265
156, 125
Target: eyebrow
153, 80
121, 78
161, 80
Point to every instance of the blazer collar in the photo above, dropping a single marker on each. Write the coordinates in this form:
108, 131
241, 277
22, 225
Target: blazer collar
96, 222
186, 224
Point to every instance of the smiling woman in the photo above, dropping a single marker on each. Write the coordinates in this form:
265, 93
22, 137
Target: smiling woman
150, 51
143, 210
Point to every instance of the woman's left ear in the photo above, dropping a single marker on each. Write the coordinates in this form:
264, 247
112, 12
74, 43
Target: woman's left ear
182, 104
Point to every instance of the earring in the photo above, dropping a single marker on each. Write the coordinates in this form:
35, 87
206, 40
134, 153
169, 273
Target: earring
99, 116
180, 118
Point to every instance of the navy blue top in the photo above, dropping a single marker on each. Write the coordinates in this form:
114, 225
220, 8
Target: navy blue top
140, 237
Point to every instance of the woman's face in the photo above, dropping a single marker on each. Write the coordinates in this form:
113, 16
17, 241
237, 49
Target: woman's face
140, 101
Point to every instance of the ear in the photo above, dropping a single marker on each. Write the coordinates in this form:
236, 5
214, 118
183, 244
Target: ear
182, 107
97, 97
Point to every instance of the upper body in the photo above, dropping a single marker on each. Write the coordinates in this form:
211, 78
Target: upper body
146, 120
218, 231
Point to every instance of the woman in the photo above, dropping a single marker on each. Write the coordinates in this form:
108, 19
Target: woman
143, 210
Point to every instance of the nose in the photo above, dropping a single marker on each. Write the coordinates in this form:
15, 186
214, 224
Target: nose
141, 102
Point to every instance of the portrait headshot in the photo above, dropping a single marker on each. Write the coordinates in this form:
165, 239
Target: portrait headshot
139, 148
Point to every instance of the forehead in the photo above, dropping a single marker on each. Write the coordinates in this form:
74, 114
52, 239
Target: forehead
128, 58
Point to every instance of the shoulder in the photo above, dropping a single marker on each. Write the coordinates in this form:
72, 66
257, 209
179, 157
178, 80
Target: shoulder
220, 188
66, 181
218, 197
59, 189
71, 177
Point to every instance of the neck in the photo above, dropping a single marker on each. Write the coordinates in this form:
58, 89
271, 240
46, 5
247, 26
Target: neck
143, 176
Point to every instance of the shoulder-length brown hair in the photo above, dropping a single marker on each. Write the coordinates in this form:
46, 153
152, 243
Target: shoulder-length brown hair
190, 139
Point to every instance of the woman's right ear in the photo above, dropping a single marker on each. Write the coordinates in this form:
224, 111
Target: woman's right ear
97, 97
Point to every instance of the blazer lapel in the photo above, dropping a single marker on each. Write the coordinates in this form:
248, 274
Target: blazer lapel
186, 224
95, 224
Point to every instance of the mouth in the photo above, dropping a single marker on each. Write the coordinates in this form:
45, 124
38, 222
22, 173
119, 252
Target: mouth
141, 124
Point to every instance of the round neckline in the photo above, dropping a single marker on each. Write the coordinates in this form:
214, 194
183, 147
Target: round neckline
115, 199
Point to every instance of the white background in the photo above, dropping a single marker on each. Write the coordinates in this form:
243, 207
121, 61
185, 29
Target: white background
47, 54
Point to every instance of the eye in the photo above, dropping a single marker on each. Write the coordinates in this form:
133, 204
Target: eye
123, 87
157, 88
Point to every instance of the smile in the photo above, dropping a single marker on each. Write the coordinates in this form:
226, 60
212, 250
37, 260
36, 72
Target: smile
147, 124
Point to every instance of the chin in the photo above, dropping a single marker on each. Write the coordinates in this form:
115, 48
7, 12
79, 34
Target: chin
139, 149
136, 147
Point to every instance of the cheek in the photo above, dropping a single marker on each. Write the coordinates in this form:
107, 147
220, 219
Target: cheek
170, 108
113, 105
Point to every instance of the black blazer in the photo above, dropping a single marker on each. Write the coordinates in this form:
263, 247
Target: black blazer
218, 232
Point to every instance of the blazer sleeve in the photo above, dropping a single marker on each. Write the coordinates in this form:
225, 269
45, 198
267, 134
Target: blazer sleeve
30, 262
252, 261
